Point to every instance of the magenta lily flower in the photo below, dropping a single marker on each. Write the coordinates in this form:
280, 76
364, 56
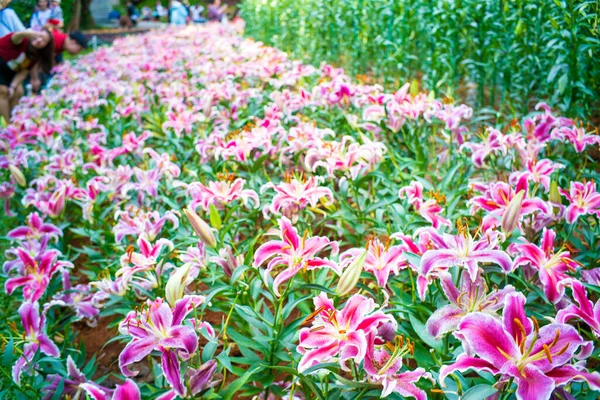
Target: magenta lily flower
461, 250
148, 255
384, 368
221, 193
296, 195
537, 172
74, 385
160, 328
584, 200
36, 338
35, 275
341, 334
295, 252
578, 137
494, 142
428, 209
497, 198
380, 260
472, 297
584, 310
551, 266
35, 229
536, 358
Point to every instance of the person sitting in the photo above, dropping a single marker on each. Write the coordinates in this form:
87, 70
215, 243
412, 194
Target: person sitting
41, 15
216, 11
19, 52
9, 21
146, 13
196, 12
178, 13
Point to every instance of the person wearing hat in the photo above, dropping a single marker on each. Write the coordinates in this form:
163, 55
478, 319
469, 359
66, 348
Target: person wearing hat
73, 43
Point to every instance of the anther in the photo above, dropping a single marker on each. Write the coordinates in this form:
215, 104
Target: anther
547, 351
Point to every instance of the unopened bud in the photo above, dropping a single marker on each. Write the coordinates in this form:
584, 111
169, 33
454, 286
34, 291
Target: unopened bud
177, 283
351, 275
511, 215
201, 228
554, 195
17, 175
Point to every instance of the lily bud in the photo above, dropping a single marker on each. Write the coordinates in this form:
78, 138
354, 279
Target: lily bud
351, 275
17, 175
554, 195
201, 228
511, 215
177, 283
201, 379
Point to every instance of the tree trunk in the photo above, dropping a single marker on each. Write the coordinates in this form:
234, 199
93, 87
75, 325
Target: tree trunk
76, 18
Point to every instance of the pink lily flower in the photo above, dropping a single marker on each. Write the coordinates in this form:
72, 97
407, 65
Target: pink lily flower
584, 200
429, 209
73, 385
584, 310
495, 142
148, 255
136, 222
127, 391
537, 358
551, 266
295, 252
221, 193
537, 172
160, 328
578, 137
383, 368
36, 276
461, 250
339, 333
380, 260
472, 297
35, 229
296, 195
497, 198
36, 338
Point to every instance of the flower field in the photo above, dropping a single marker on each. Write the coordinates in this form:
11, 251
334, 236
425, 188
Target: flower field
192, 214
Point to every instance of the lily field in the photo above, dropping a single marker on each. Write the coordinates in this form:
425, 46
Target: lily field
192, 214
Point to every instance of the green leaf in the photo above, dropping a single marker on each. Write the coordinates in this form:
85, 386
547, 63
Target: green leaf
420, 330
479, 392
236, 385
8, 357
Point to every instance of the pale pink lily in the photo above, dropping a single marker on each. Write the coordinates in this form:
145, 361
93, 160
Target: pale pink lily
296, 195
160, 328
34, 326
551, 266
538, 359
584, 200
35, 229
472, 297
295, 252
342, 334
126, 391
136, 222
381, 260
428, 209
584, 310
221, 193
384, 368
461, 250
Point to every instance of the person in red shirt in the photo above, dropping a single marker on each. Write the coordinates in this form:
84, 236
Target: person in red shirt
73, 43
19, 52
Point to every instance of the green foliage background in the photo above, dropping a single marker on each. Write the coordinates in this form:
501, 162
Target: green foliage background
506, 54
24, 9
